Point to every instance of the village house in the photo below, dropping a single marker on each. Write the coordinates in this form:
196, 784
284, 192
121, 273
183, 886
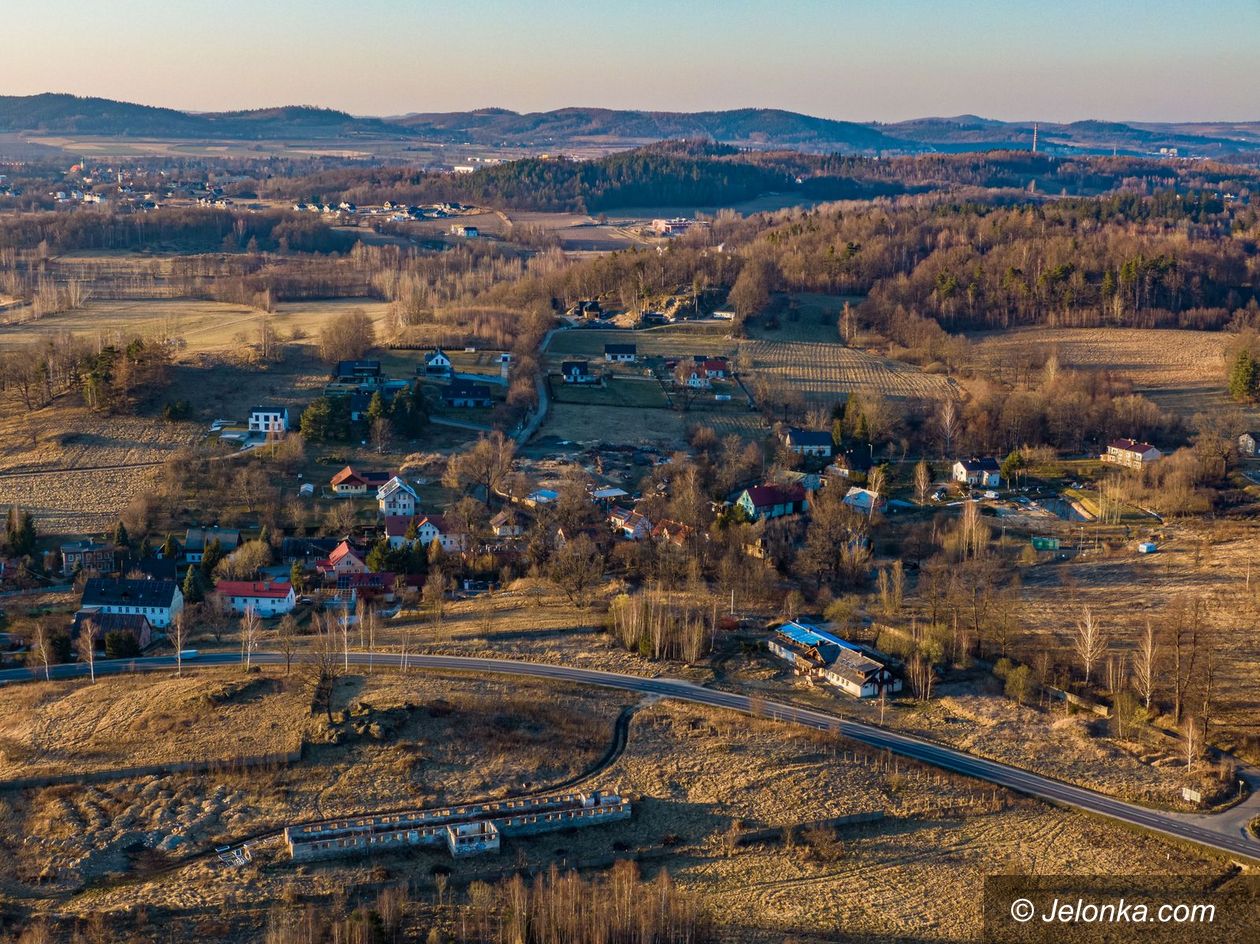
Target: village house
808, 442
1247, 443
88, 555
715, 368
398, 531
269, 419
578, 372
815, 654
772, 501
361, 372
158, 601
978, 473
621, 353
396, 497
351, 484
864, 500
506, 525
691, 374
345, 559
848, 464
465, 394
460, 229
437, 362
434, 528
671, 532
134, 625
196, 540
264, 597
1131, 453
629, 524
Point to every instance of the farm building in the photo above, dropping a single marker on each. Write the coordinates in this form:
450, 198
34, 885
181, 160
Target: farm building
1131, 453
158, 601
1248, 443
88, 555
621, 353
269, 419
772, 501
396, 497
820, 655
506, 525
978, 473
465, 394
462, 230
135, 625
196, 540
808, 442
578, 372
265, 598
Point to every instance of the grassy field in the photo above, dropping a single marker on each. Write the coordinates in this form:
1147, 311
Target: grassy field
633, 393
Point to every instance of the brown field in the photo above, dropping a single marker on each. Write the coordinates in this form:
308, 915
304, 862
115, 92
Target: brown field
205, 326
701, 779
1195, 561
1183, 371
822, 370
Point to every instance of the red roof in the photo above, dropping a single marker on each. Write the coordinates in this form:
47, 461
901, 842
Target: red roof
348, 476
341, 550
261, 589
765, 496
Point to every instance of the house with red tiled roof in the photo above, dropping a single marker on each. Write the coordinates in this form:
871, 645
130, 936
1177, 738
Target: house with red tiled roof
772, 501
671, 532
344, 559
264, 597
348, 483
430, 528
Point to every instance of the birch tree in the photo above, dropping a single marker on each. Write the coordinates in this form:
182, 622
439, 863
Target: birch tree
251, 625
1144, 666
1090, 642
86, 644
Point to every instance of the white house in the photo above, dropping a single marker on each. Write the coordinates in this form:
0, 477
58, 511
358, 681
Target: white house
978, 473
820, 655
1131, 453
864, 500
158, 601
506, 525
265, 598
437, 362
434, 527
396, 497
621, 353
629, 524
1248, 443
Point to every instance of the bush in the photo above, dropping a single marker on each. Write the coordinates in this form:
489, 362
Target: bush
1002, 668
1020, 685
121, 645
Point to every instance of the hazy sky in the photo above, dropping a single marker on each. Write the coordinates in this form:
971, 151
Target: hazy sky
852, 59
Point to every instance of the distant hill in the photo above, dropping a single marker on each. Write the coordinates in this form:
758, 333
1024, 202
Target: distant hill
758, 128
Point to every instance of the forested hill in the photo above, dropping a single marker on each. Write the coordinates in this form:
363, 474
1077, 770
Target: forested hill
756, 128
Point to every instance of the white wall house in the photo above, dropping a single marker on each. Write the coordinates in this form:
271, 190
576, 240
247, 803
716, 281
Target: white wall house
396, 498
269, 419
158, 601
265, 598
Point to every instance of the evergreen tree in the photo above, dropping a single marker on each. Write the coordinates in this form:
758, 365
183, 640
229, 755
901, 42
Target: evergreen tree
378, 556
192, 589
297, 576
1244, 377
22, 543
170, 550
213, 554
376, 407
1011, 466
121, 537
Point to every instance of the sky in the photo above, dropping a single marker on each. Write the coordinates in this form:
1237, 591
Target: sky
860, 60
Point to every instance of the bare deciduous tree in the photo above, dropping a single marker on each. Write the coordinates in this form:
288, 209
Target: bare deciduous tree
251, 627
179, 632
1144, 666
1089, 643
86, 645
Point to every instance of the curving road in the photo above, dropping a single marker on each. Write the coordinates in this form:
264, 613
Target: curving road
1222, 833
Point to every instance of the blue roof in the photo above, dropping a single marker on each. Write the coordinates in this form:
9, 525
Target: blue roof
809, 635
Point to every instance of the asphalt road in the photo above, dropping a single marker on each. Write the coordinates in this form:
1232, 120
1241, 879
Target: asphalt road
1226, 834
